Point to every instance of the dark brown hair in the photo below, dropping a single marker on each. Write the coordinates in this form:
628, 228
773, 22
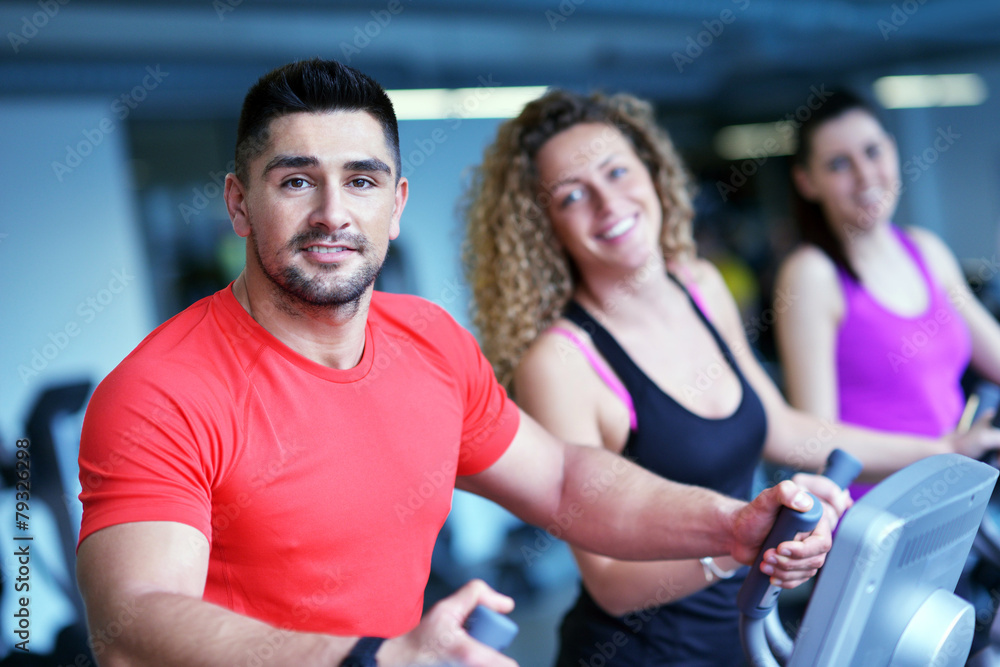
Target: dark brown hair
309, 86
813, 225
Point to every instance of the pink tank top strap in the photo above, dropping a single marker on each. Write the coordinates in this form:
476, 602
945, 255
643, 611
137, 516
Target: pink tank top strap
692, 287
602, 370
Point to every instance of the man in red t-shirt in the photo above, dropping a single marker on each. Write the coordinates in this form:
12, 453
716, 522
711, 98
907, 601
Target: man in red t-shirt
265, 475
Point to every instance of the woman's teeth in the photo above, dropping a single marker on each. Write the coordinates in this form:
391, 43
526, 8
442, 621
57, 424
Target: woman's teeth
619, 229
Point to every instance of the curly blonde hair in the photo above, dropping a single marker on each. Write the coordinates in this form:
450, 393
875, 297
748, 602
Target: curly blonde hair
521, 279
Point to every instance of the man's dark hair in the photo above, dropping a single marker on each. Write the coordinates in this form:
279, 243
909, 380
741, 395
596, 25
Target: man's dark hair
309, 86
813, 226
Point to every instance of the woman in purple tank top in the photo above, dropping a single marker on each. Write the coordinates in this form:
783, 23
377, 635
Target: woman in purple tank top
882, 323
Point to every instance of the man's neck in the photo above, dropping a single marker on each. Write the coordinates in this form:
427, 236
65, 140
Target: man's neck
331, 336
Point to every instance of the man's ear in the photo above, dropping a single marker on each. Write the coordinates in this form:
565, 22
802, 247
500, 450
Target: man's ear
236, 204
402, 193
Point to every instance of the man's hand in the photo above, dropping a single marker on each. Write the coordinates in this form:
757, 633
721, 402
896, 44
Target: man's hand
835, 500
789, 572
440, 637
793, 562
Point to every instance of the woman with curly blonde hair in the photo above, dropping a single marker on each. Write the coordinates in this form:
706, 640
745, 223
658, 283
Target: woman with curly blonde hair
521, 277
595, 310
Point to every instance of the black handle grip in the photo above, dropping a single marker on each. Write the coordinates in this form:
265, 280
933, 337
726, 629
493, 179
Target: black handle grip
842, 468
491, 628
757, 596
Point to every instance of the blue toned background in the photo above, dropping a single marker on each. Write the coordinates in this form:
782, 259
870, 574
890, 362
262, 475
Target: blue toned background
117, 123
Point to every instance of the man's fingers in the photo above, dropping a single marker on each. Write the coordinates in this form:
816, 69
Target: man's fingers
792, 495
441, 637
779, 564
826, 490
785, 493
813, 545
457, 606
757, 519
792, 583
478, 592
794, 562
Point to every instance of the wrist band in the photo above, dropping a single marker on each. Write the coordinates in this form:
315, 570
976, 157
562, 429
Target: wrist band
363, 653
710, 568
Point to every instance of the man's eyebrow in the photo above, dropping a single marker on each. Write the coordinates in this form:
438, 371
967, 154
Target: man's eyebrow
370, 164
290, 162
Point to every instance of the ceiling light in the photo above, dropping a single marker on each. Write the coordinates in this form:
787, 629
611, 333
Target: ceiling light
941, 90
755, 141
482, 102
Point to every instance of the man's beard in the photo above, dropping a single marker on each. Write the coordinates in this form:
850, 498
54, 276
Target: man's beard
327, 289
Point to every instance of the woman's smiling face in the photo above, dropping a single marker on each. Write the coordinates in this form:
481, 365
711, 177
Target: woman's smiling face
603, 206
852, 172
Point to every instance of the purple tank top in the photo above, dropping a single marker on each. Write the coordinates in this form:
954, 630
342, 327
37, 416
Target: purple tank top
898, 373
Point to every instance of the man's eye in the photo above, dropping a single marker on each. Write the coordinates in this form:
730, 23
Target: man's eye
296, 183
618, 172
360, 183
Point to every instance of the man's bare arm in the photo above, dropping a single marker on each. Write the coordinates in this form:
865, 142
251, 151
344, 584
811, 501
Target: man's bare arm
601, 502
143, 583
147, 578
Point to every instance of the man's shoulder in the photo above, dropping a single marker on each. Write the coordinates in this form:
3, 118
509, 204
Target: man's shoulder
189, 327
191, 367
194, 343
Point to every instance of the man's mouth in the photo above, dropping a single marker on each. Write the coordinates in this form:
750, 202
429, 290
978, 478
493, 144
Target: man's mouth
324, 249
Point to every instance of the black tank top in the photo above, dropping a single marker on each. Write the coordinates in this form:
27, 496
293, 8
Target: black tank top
721, 454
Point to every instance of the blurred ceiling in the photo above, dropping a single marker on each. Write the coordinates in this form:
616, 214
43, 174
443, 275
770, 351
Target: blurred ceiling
732, 58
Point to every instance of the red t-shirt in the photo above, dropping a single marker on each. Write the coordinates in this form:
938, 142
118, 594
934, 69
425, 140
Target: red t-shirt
321, 491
